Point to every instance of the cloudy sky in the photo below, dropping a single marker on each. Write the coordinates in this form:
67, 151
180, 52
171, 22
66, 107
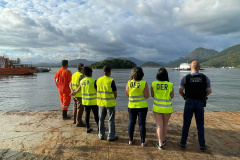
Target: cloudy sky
156, 30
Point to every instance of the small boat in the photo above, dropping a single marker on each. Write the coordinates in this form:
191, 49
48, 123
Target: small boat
43, 69
13, 67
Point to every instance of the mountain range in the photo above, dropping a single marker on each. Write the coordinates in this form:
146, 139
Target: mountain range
199, 54
229, 57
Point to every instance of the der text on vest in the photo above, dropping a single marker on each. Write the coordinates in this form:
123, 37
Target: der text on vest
162, 86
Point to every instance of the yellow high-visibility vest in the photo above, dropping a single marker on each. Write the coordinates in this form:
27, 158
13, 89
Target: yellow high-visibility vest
162, 99
76, 82
105, 96
89, 93
136, 94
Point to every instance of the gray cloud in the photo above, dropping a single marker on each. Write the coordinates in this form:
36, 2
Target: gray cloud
209, 17
148, 30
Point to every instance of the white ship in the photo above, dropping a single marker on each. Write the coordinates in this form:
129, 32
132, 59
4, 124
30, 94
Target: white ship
183, 66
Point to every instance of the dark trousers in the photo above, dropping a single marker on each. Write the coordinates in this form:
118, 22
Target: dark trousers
141, 113
77, 110
196, 107
88, 109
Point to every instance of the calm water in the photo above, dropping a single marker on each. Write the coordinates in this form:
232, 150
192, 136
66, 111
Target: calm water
38, 92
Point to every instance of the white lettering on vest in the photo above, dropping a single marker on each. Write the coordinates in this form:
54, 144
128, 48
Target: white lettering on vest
196, 80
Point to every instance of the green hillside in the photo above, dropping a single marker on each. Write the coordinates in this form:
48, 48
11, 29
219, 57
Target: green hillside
227, 58
115, 63
150, 64
224, 61
199, 54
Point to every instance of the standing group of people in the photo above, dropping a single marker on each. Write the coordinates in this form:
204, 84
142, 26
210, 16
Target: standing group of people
100, 97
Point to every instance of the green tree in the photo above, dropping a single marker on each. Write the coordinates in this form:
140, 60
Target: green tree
115, 63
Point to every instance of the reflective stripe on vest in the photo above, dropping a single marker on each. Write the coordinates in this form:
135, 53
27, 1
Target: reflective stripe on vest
162, 105
89, 93
104, 92
105, 96
88, 99
76, 83
136, 94
140, 100
162, 99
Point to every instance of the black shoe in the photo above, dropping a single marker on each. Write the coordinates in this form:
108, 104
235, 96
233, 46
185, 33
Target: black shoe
101, 138
89, 130
203, 148
181, 145
66, 117
164, 142
159, 147
113, 139
74, 122
81, 125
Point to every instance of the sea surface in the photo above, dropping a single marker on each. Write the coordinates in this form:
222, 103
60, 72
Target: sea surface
39, 92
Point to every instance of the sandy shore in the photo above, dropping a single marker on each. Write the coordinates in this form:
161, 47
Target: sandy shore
44, 135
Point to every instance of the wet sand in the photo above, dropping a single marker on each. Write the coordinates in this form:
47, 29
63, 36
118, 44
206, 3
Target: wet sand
44, 135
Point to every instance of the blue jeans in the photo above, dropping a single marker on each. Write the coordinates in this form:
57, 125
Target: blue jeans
196, 107
110, 111
141, 113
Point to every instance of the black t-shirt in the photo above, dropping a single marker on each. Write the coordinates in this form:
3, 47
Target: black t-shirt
113, 85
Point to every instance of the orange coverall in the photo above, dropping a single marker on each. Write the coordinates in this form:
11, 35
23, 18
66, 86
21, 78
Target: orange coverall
62, 79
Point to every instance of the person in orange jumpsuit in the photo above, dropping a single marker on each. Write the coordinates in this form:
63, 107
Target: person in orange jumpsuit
62, 79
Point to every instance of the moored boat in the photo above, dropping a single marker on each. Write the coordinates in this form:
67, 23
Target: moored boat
43, 69
13, 67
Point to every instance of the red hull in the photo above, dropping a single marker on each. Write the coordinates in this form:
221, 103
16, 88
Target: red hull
16, 71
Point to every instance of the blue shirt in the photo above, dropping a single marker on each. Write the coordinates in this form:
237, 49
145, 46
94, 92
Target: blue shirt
183, 81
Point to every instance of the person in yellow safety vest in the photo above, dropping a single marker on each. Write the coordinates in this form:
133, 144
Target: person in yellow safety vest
162, 92
138, 93
106, 101
89, 96
77, 96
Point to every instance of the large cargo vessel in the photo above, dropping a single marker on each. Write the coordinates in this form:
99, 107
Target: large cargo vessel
14, 67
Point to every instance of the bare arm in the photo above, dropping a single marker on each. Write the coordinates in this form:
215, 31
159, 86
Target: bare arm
146, 91
209, 92
73, 93
152, 92
172, 94
115, 94
127, 90
70, 85
79, 89
181, 92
